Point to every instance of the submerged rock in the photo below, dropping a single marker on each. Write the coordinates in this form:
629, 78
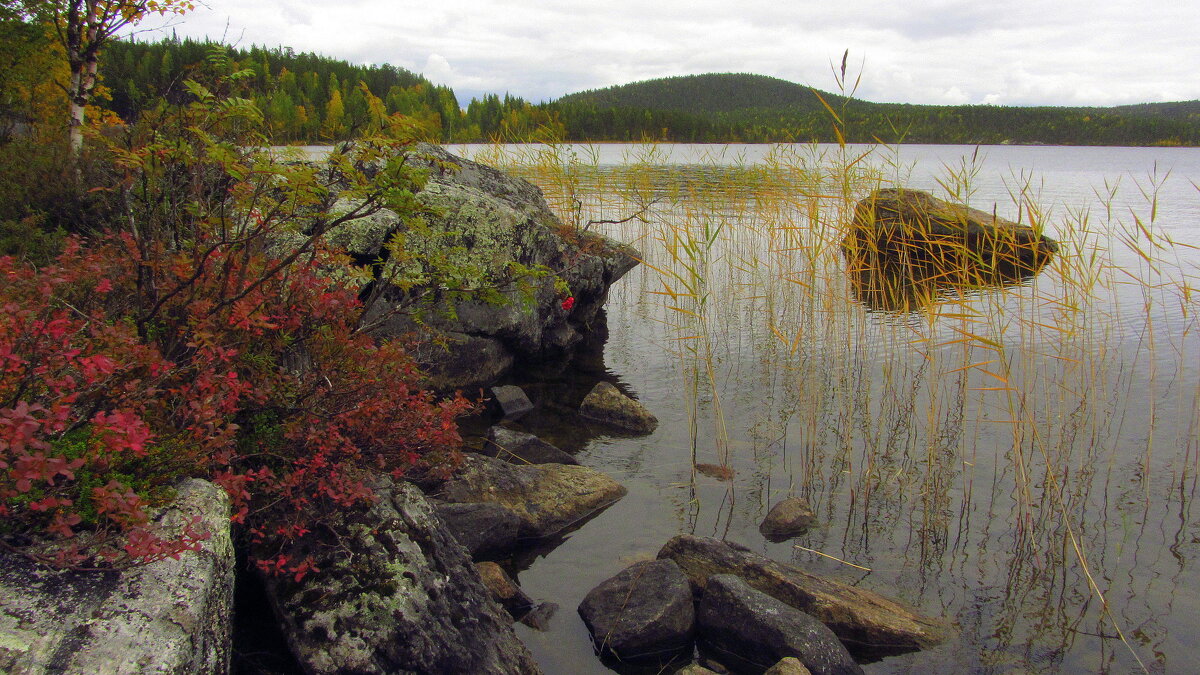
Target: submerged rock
393, 592
606, 404
643, 613
519, 447
867, 622
547, 498
753, 630
789, 518
171, 616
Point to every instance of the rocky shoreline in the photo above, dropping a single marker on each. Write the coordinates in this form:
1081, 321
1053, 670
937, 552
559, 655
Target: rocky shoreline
412, 583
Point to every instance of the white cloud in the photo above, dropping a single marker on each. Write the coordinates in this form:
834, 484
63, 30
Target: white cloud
933, 51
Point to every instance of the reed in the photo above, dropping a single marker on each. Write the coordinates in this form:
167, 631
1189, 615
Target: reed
947, 427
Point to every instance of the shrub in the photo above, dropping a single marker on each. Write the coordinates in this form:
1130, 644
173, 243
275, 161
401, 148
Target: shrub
207, 331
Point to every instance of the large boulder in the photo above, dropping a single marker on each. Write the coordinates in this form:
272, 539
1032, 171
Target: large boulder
901, 223
547, 498
753, 631
866, 621
643, 613
486, 224
171, 616
394, 592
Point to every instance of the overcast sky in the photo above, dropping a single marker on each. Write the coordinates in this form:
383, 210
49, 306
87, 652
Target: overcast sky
1022, 52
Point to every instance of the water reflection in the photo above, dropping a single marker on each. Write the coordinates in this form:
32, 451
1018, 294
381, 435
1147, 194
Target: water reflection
895, 283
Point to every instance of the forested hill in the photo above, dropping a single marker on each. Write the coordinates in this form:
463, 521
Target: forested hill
704, 94
756, 108
308, 98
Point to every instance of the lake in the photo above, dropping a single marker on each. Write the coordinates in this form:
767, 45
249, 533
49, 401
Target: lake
1020, 459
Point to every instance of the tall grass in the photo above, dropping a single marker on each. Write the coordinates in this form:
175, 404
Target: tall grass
1028, 430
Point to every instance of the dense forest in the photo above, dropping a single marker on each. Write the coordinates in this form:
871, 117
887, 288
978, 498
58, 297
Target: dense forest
308, 98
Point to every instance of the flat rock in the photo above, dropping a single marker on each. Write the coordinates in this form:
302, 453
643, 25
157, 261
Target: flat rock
171, 616
606, 404
547, 498
754, 630
394, 592
512, 401
483, 529
519, 447
643, 613
789, 518
866, 621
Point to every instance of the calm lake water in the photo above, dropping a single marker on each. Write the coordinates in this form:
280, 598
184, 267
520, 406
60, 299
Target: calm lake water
1021, 460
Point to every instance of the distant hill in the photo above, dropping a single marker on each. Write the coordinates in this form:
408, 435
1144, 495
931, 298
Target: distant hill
711, 93
722, 107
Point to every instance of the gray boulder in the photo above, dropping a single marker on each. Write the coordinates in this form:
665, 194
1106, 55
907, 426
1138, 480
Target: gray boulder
643, 613
171, 616
547, 498
519, 447
606, 404
864, 620
483, 529
753, 631
789, 518
394, 592
484, 223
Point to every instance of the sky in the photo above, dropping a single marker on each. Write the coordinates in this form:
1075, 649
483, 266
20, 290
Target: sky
1004, 52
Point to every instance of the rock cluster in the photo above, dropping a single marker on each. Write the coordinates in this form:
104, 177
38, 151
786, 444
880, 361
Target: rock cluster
751, 614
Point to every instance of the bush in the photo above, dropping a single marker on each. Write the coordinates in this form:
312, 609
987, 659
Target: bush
205, 332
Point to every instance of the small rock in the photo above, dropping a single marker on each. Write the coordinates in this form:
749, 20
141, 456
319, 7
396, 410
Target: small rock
788, 518
512, 401
503, 589
606, 404
756, 631
643, 613
547, 498
518, 447
483, 529
539, 617
695, 669
789, 666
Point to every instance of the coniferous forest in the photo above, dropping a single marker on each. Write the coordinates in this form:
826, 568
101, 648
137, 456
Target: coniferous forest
309, 98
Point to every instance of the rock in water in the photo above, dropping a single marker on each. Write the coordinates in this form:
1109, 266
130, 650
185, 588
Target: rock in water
547, 498
504, 590
606, 404
512, 401
643, 613
788, 518
789, 666
171, 616
754, 630
519, 447
867, 622
916, 224
394, 593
